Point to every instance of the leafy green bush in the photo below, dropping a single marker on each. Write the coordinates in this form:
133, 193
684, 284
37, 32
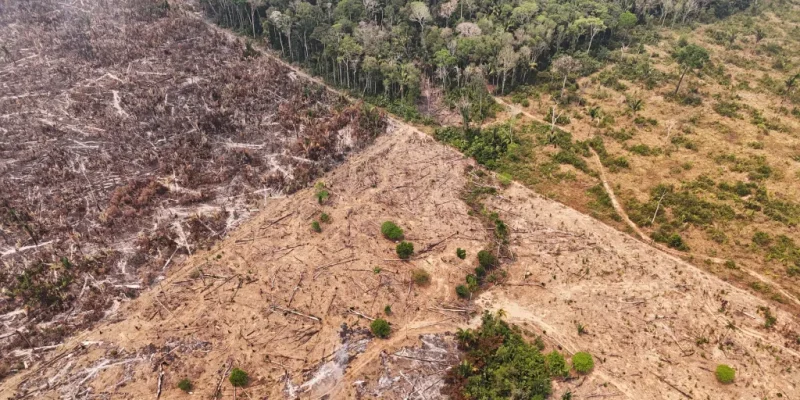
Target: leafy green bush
321, 193
185, 385
462, 291
325, 218
421, 277
725, 374
499, 364
486, 259
380, 328
556, 364
461, 253
315, 227
728, 109
238, 378
387, 310
404, 250
582, 362
480, 272
391, 231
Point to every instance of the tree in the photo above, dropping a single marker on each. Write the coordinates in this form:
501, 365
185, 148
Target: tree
626, 22
507, 60
690, 57
419, 13
791, 85
464, 107
468, 29
565, 65
593, 24
283, 24
524, 12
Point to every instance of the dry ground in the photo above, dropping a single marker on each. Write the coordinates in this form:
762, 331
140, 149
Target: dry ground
749, 67
132, 136
657, 325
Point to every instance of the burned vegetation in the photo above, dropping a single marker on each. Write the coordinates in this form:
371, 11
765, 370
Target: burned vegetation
131, 134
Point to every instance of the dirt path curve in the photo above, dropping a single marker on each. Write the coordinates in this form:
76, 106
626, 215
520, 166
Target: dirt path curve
514, 110
617, 207
614, 202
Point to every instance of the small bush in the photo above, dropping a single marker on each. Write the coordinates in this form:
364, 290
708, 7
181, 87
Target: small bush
556, 364
730, 264
325, 218
461, 253
380, 328
462, 291
391, 231
404, 250
486, 259
387, 310
725, 374
185, 385
238, 378
761, 238
582, 362
421, 277
321, 193
315, 227
480, 272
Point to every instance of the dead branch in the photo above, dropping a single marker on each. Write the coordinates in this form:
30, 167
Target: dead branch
360, 315
432, 245
279, 308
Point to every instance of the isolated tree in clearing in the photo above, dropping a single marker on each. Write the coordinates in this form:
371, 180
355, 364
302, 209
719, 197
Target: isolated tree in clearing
690, 57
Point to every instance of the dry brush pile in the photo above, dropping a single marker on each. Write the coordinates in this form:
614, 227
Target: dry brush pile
130, 135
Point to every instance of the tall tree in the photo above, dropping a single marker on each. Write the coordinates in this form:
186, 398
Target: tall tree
419, 13
690, 57
565, 65
507, 60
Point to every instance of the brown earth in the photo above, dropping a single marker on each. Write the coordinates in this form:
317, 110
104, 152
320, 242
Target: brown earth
292, 307
657, 325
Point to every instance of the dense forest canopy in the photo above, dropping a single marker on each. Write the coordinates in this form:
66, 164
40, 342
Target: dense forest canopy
385, 47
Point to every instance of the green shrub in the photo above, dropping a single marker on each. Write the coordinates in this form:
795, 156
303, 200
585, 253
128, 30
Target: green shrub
238, 378
325, 218
461, 253
486, 259
556, 364
728, 109
498, 364
185, 385
462, 291
387, 310
582, 362
391, 231
380, 328
421, 277
761, 238
321, 193
315, 227
480, 272
730, 264
725, 374
404, 250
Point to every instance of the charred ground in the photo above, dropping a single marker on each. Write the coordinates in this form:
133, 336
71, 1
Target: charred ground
132, 135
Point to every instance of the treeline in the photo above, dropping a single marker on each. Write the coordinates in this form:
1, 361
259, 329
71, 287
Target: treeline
385, 47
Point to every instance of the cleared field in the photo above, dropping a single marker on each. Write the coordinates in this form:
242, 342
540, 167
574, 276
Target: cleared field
132, 136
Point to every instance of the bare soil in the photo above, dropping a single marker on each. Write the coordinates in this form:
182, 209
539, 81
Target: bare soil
291, 306
133, 136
